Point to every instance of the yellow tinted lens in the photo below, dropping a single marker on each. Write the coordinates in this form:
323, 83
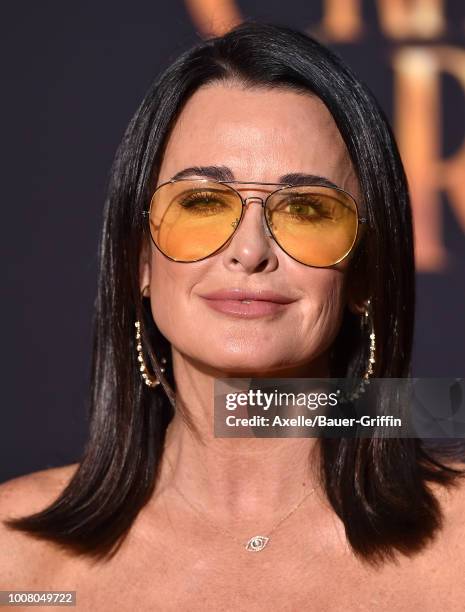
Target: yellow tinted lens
191, 219
315, 225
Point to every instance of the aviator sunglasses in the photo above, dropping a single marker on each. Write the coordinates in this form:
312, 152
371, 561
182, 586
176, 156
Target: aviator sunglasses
192, 219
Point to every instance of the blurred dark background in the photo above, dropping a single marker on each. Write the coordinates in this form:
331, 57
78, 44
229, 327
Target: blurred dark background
72, 76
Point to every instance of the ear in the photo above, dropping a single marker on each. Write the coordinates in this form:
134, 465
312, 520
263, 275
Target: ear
145, 267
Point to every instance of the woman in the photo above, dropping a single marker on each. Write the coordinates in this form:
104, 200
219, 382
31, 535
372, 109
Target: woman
161, 515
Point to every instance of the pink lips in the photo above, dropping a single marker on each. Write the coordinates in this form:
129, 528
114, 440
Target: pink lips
257, 303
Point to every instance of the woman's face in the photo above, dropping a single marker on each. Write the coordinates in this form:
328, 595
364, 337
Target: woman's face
259, 135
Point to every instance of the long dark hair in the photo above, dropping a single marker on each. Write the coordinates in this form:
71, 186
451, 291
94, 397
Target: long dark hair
128, 420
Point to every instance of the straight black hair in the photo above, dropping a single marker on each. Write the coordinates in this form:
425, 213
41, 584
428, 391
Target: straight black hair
377, 487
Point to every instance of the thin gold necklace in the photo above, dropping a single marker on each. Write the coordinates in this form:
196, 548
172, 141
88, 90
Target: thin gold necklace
255, 543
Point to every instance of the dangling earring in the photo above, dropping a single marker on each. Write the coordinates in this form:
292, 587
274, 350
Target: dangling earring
150, 379
371, 359
367, 321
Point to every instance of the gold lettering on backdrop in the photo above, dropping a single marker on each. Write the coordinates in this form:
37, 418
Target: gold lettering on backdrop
418, 129
412, 18
343, 21
213, 17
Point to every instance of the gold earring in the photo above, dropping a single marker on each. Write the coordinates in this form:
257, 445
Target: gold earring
367, 319
372, 358
150, 379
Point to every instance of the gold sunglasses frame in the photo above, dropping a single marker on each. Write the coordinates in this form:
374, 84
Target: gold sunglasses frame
263, 201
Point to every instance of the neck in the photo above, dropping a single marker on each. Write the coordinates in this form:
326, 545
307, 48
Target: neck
232, 477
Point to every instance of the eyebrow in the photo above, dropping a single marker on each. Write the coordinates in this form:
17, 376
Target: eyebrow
223, 173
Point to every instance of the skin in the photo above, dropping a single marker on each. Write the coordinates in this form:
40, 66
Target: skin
248, 131
176, 557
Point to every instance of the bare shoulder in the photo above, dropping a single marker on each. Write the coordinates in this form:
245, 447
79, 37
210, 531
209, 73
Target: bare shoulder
23, 496
32, 492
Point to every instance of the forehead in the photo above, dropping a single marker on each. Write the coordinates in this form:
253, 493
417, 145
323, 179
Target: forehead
260, 134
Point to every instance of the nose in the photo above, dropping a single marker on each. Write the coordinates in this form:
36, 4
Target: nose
250, 247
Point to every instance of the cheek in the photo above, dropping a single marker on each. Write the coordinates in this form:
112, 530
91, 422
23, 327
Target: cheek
170, 288
322, 310
164, 286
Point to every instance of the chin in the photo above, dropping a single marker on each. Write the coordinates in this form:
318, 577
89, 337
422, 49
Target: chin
248, 365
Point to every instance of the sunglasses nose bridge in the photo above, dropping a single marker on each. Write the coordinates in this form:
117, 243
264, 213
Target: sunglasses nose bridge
261, 201
253, 198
